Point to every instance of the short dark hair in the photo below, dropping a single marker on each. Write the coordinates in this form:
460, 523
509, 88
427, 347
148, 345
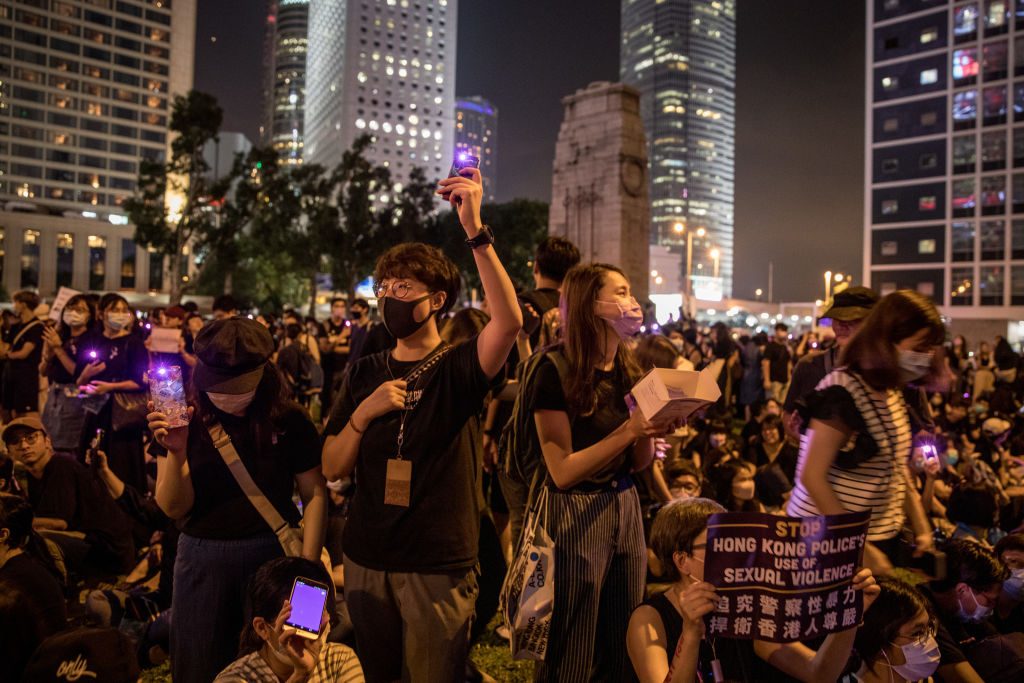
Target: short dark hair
270, 587
339, 299
555, 256
360, 302
27, 297
1010, 542
973, 504
971, 563
423, 263
226, 303
293, 330
655, 351
676, 527
781, 326
898, 603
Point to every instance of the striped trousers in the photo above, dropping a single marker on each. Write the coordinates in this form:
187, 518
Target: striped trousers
600, 565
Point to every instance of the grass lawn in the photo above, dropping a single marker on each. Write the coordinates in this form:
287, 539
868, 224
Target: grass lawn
491, 655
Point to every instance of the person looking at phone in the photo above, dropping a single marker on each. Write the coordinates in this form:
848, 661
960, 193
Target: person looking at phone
857, 438
110, 370
64, 414
269, 650
224, 538
401, 423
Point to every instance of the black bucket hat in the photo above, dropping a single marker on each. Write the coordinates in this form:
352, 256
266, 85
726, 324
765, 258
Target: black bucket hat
232, 354
853, 303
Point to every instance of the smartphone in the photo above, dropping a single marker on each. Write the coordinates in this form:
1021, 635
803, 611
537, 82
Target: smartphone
308, 599
94, 446
462, 160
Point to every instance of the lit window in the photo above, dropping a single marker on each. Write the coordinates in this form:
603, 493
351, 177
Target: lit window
929, 76
360, 124
890, 207
926, 246
926, 203
890, 248
929, 35
890, 82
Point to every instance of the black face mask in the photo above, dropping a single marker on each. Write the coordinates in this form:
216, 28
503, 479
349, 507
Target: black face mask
357, 315
398, 316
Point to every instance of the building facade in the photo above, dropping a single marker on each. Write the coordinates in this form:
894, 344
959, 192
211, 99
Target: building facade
86, 95
476, 132
599, 180
681, 56
387, 69
285, 86
944, 171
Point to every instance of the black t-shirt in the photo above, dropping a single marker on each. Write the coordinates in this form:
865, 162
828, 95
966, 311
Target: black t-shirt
546, 393
542, 300
73, 346
125, 358
25, 368
40, 588
68, 491
332, 361
778, 359
807, 373
221, 510
439, 531
953, 635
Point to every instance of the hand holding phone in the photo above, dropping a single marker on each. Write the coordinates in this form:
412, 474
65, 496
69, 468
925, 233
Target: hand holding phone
462, 160
306, 607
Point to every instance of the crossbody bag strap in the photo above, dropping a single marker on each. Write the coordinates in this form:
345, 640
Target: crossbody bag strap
878, 415
25, 329
285, 534
432, 359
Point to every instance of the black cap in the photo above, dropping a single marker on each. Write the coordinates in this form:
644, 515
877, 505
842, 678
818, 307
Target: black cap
853, 303
232, 353
87, 654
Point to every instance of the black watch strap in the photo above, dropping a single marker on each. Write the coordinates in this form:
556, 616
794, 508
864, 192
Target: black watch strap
484, 237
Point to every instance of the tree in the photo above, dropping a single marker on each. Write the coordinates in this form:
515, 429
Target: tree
168, 223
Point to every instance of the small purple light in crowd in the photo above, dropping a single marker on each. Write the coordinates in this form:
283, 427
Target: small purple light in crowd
966, 395
348, 323
655, 327
462, 156
162, 372
149, 326
92, 354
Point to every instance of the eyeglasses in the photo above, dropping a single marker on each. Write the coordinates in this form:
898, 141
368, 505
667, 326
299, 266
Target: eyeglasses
30, 439
921, 635
399, 289
688, 487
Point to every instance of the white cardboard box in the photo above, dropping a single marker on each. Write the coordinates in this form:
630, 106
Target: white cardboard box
668, 395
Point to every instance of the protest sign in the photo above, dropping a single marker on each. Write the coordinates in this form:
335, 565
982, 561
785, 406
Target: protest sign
164, 340
60, 301
784, 579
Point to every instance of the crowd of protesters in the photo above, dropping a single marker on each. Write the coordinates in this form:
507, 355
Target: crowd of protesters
394, 454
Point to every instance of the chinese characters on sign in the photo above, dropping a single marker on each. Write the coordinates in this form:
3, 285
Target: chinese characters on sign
784, 579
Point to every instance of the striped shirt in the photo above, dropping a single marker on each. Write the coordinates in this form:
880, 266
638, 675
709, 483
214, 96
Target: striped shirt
877, 485
337, 664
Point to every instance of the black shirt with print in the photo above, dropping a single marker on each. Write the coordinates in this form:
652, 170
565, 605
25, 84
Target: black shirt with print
439, 530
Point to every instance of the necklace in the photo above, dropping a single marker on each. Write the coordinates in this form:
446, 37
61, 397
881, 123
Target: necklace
411, 382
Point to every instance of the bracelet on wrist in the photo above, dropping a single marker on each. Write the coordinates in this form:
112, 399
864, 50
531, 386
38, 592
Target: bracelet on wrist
352, 424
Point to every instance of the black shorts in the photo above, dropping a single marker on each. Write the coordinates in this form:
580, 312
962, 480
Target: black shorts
21, 394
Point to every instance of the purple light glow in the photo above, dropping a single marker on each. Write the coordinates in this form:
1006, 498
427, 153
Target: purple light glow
162, 372
92, 354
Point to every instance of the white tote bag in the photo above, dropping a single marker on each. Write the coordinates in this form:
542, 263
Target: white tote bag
528, 595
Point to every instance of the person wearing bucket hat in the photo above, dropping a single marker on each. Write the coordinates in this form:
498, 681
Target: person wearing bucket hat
224, 538
402, 423
848, 310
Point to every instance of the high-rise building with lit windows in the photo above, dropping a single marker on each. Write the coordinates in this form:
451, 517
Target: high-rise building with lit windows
944, 158
285, 89
385, 68
476, 132
85, 94
681, 56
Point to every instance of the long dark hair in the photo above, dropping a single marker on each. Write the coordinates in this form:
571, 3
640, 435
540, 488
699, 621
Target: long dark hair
270, 587
16, 516
655, 351
719, 485
583, 336
871, 352
898, 603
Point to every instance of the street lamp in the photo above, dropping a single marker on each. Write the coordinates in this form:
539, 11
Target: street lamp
828, 285
680, 228
715, 255
758, 292
839, 277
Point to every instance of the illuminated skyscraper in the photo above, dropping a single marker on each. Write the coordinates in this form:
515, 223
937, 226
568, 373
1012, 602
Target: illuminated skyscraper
681, 56
476, 132
285, 89
86, 94
385, 68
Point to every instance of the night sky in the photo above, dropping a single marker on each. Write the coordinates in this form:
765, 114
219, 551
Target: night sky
800, 111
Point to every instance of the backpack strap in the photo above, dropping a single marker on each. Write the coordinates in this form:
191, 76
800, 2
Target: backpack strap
35, 322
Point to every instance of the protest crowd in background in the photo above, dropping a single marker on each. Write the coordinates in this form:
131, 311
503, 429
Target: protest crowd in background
430, 463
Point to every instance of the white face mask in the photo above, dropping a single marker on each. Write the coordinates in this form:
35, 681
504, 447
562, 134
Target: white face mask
922, 660
75, 318
914, 364
980, 613
1014, 586
118, 321
234, 404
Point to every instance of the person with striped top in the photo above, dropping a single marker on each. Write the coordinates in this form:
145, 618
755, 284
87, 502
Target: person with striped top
857, 441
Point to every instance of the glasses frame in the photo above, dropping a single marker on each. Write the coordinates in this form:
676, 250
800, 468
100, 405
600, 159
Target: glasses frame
30, 439
399, 289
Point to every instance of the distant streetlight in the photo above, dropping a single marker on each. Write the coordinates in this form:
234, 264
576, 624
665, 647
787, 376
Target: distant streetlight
839, 277
828, 285
715, 256
758, 292
679, 227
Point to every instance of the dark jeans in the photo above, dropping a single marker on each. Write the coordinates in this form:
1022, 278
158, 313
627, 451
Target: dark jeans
210, 582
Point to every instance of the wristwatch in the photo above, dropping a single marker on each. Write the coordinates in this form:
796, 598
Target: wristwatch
484, 237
